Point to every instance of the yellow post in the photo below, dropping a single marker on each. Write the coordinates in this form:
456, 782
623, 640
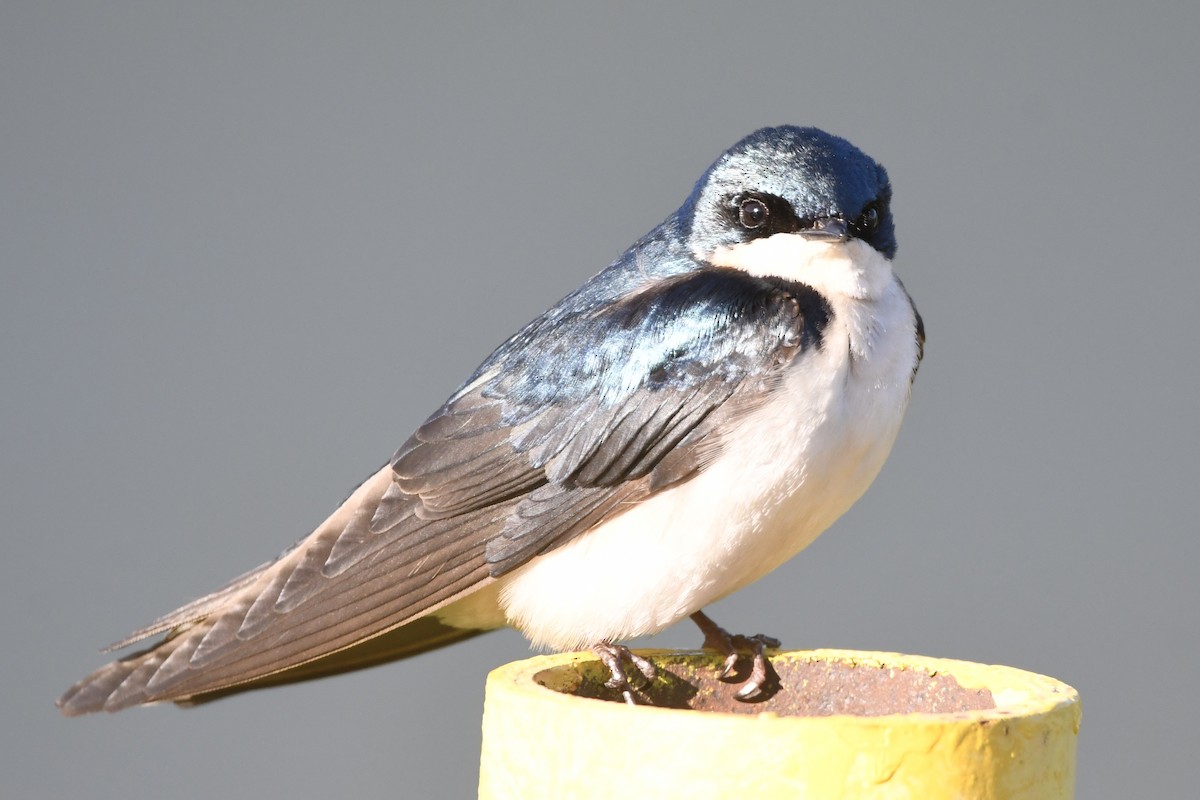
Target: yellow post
896, 726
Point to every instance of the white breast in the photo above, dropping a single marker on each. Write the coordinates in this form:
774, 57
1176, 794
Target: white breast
792, 468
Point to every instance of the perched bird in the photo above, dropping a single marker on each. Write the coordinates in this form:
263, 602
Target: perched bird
683, 423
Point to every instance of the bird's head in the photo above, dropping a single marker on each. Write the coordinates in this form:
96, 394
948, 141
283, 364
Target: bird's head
782, 196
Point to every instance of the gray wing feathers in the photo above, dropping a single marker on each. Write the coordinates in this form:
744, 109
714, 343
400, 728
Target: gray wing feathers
222, 640
477, 472
418, 636
195, 610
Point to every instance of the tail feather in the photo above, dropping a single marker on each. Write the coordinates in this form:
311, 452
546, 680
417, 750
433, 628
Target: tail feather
194, 611
297, 618
130, 681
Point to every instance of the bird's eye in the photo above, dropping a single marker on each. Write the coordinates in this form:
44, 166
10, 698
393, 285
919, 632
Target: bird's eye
869, 218
752, 213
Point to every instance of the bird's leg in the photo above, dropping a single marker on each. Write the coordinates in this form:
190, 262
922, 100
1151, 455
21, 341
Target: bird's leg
615, 656
718, 639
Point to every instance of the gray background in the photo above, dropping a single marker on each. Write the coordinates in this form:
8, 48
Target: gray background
244, 250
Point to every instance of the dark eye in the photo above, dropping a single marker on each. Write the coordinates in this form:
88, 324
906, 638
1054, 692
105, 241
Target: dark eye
752, 213
869, 218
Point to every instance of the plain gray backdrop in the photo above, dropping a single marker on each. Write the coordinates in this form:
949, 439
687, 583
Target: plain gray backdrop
245, 249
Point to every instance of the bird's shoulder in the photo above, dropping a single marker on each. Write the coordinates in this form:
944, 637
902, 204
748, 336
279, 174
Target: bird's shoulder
602, 388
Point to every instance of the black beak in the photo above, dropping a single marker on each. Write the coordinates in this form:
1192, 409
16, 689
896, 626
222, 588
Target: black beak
829, 229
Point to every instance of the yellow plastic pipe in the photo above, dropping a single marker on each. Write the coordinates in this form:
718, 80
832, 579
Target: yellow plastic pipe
541, 739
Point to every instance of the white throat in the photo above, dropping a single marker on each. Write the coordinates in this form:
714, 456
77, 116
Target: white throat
855, 278
851, 269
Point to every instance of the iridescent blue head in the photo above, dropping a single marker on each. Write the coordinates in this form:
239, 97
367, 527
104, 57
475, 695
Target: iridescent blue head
792, 180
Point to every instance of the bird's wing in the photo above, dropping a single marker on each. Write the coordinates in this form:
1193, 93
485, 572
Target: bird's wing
296, 611
588, 409
604, 406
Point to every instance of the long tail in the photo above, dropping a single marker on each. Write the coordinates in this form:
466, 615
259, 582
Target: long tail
346, 597
107, 689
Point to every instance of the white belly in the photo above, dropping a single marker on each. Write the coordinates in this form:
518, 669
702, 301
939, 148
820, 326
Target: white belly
794, 466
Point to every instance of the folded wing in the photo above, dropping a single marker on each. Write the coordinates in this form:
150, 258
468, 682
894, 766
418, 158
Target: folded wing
592, 407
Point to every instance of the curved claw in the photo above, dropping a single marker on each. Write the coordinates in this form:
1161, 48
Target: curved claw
718, 639
758, 672
615, 656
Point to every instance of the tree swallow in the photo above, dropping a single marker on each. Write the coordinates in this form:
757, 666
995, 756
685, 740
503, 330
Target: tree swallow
683, 423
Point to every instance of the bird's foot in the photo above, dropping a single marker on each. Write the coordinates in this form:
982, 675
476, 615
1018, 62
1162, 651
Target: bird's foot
615, 657
730, 645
